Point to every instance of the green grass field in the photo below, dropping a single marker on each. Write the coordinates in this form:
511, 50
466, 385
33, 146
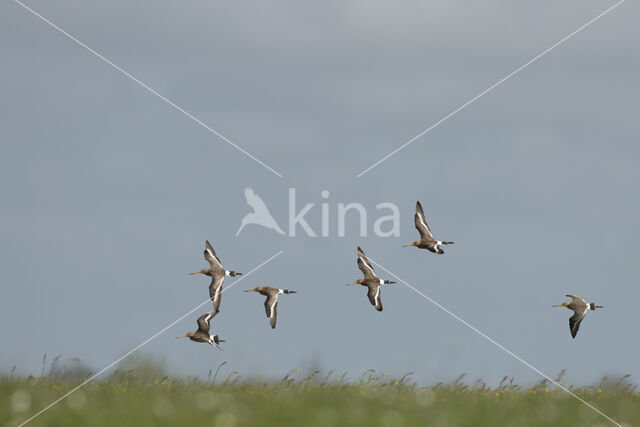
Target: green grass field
373, 400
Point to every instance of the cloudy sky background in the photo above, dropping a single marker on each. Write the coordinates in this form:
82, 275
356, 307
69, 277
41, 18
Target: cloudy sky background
108, 193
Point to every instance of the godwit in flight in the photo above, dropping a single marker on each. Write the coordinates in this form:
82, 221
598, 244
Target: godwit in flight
217, 274
370, 280
271, 303
202, 334
580, 308
426, 238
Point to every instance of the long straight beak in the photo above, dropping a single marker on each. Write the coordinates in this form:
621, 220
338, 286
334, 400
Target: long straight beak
182, 336
410, 244
352, 283
251, 290
197, 272
557, 305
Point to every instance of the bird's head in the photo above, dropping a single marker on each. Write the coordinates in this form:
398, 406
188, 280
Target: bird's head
357, 282
416, 243
200, 272
187, 335
258, 289
564, 304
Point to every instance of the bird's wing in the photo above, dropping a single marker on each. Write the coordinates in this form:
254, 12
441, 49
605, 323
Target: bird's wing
366, 269
374, 297
203, 322
421, 223
364, 257
271, 307
365, 265
254, 200
215, 290
578, 302
574, 323
211, 257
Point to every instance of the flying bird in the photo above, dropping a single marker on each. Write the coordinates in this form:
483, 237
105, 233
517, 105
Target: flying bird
426, 238
260, 214
580, 308
370, 280
217, 274
202, 334
271, 303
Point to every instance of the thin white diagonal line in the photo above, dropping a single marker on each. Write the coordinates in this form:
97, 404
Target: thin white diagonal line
151, 338
489, 89
497, 344
147, 87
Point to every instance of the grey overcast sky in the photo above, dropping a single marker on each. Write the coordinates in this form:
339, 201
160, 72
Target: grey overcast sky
107, 193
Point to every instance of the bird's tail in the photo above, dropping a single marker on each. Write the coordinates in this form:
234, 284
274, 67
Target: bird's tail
277, 228
287, 291
388, 282
593, 306
242, 224
448, 243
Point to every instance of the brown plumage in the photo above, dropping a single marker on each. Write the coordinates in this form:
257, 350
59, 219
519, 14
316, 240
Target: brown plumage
271, 303
427, 241
202, 334
580, 308
217, 274
371, 281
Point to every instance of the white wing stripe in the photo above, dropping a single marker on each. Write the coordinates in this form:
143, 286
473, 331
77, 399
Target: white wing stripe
272, 309
213, 257
424, 223
367, 265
